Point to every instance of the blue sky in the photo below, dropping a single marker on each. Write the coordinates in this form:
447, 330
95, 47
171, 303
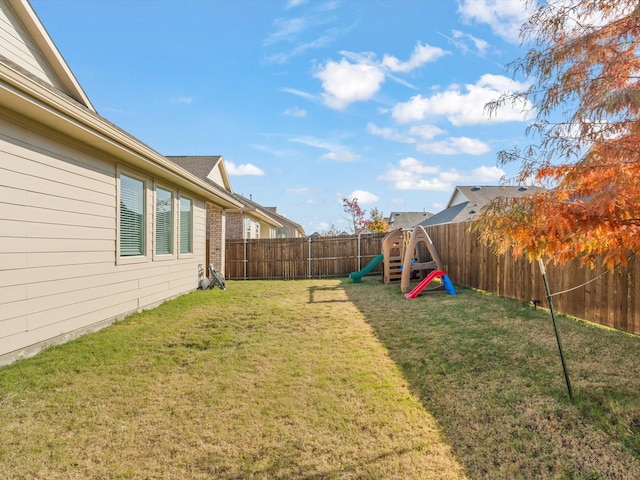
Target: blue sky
307, 101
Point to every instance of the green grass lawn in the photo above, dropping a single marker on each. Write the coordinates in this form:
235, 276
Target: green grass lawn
326, 379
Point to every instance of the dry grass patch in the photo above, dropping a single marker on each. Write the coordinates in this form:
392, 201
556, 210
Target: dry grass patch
264, 380
488, 370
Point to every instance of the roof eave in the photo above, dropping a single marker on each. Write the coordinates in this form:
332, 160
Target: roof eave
44, 105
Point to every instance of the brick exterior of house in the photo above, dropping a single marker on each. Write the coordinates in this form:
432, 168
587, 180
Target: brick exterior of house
216, 231
235, 225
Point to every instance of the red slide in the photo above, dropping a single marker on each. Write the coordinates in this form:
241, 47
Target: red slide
416, 291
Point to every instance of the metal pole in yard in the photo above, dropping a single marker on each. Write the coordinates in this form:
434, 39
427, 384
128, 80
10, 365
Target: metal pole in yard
555, 327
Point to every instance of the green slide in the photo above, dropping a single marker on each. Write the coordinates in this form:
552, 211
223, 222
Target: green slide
357, 276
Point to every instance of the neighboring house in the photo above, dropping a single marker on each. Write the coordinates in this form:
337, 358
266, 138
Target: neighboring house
251, 221
255, 221
407, 220
467, 201
247, 220
211, 169
290, 229
94, 224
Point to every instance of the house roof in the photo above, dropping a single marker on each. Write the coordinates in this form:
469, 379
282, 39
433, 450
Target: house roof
285, 220
249, 206
210, 168
398, 220
200, 166
467, 201
61, 104
448, 215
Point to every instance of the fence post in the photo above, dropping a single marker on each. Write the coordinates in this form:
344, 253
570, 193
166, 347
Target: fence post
309, 260
359, 254
246, 260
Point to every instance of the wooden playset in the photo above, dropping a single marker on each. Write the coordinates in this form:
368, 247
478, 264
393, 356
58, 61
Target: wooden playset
407, 255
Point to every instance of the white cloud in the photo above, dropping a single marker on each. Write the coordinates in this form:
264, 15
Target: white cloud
455, 146
415, 167
244, 169
295, 3
341, 156
345, 83
299, 93
422, 136
388, 133
467, 106
312, 29
426, 131
505, 17
335, 152
487, 174
358, 76
421, 54
363, 197
422, 132
286, 28
326, 38
295, 112
412, 174
481, 46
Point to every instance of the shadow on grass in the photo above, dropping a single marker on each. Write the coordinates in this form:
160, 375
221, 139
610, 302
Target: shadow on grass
326, 294
488, 370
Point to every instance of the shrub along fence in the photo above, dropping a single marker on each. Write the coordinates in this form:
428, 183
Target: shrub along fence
607, 298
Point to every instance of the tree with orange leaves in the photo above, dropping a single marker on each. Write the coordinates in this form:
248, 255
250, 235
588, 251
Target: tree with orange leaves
376, 222
585, 65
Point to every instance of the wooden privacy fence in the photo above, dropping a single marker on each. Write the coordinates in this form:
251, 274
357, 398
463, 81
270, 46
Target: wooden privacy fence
607, 298
309, 257
600, 296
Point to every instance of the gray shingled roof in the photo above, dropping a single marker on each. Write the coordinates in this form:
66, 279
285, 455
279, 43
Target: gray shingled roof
470, 200
407, 219
448, 215
199, 165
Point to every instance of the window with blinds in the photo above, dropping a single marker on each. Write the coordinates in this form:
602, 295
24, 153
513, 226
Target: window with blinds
164, 222
186, 225
132, 216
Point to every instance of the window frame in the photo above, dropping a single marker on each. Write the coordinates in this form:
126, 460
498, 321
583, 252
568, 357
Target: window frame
145, 227
181, 197
173, 223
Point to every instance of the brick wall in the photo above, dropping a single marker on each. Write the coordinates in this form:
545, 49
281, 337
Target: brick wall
216, 226
235, 225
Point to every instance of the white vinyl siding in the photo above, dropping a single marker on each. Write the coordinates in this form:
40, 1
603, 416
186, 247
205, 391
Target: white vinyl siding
251, 228
132, 216
60, 275
164, 225
186, 225
215, 175
17, 46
